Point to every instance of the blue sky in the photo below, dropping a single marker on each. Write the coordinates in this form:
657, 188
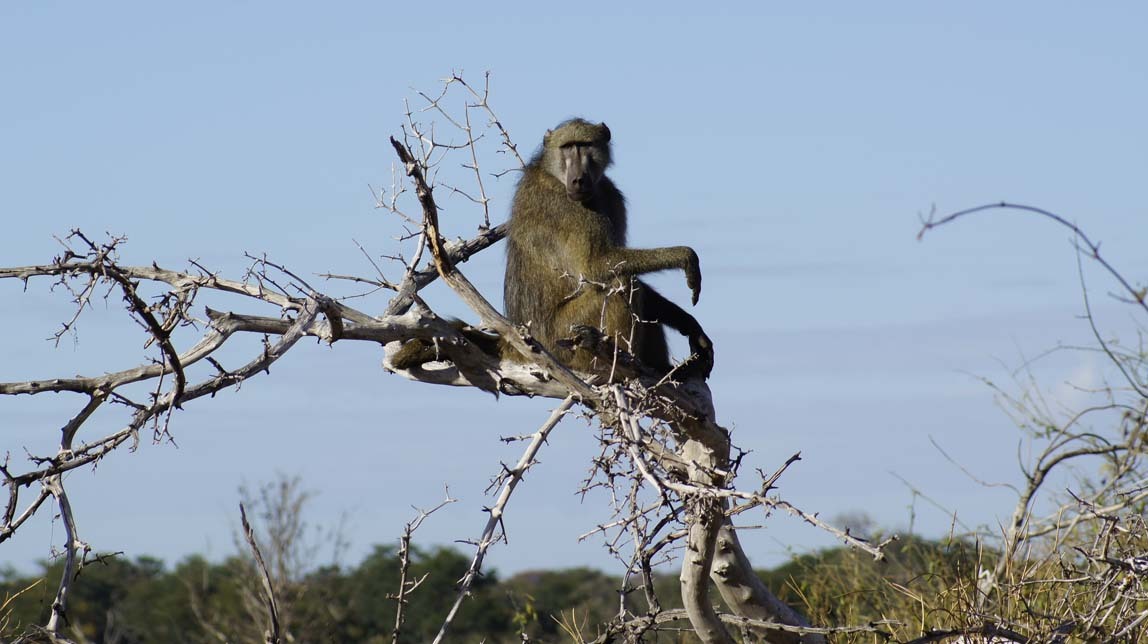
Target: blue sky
793, 146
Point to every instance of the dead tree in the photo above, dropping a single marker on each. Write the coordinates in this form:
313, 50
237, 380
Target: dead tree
669, 464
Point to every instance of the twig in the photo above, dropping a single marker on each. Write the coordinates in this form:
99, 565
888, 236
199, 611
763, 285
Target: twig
513, 477
407, 587
271, 636
1139, 296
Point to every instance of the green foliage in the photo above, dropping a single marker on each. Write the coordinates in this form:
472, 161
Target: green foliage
544, 600
922, 586
368, 593
112, 600
126, 601
917, 585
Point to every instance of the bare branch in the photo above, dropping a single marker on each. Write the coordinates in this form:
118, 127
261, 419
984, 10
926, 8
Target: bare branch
1137, 296
512, 477
407, 587
272, 634
74, 553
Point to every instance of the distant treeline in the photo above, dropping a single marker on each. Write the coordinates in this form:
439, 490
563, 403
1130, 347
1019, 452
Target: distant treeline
143, 601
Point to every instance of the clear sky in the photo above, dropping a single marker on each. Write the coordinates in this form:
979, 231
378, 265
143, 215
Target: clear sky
792, 145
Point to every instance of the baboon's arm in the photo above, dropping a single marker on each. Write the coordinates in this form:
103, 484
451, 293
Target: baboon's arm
656, 308
638, 261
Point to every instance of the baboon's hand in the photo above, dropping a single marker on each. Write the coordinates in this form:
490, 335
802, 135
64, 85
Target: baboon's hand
693, 274
584, 336
702, 360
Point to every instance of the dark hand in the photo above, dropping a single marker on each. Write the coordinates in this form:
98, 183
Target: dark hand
702, 360
585, 336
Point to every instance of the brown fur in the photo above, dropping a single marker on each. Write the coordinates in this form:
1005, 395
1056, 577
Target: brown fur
568, 265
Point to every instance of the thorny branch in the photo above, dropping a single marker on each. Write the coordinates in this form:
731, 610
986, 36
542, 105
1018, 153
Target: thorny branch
406, 586
511, 477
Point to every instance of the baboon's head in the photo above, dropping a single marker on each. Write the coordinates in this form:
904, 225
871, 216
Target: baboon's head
577, 153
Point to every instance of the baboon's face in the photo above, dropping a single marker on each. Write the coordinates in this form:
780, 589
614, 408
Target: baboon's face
577, 153
581, 165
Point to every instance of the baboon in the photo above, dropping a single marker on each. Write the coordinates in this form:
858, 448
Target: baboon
568, 271
568, 268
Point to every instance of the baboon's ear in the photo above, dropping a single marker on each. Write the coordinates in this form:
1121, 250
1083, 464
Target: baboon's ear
605, 131
546, 137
